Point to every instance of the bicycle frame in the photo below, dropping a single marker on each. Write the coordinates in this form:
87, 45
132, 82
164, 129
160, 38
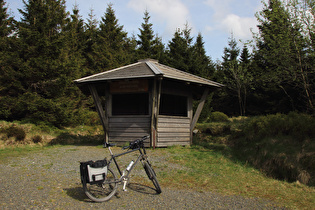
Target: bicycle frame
103, 191
113, 158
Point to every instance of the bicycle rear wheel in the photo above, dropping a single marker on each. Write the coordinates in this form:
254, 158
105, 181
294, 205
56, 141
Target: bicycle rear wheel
103, 191
152, 176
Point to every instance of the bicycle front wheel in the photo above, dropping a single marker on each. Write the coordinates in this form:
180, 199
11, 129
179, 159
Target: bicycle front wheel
152, 176
103, 191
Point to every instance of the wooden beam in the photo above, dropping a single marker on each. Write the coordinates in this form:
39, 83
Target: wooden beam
156, 98
100, 110
153, 116
157, 110
199, 109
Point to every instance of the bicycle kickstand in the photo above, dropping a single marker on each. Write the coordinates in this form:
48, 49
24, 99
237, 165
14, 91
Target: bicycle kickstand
125, 180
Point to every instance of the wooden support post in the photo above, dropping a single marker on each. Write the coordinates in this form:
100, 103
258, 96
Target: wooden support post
100, 110
199, 109
157, 108
156, 97
153, 117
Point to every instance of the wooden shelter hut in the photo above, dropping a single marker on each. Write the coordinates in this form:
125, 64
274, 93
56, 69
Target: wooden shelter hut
147, 98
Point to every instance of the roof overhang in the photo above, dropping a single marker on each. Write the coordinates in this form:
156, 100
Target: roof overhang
147, 68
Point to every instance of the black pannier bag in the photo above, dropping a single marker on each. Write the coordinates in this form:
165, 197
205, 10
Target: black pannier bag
93, 171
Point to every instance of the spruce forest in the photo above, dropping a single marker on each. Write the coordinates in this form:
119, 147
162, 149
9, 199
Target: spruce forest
43, 52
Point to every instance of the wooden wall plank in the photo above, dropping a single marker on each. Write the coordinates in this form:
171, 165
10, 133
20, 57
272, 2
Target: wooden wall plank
167, 144
181, 120
124, 119
125, 129
173, 131
167, 135
172, 140
127, 125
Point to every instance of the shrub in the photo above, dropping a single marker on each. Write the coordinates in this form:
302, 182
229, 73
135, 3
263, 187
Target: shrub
217, 129
281, 145
86, 117
218, 117
37, 139
294, 124
17, 132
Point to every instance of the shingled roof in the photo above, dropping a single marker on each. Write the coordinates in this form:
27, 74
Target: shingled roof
147, 68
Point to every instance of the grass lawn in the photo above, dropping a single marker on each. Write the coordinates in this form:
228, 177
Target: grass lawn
210, 170
224, 158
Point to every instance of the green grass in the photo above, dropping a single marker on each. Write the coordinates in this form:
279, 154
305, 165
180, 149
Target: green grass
210, 170
11, 152
251, 157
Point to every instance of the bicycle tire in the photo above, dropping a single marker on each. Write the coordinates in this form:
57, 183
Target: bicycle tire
101, 192
152, 176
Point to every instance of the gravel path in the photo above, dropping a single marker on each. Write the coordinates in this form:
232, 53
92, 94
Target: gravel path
50, 179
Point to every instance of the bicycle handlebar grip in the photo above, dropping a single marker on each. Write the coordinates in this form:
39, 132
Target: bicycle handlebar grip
145, 137
125, 147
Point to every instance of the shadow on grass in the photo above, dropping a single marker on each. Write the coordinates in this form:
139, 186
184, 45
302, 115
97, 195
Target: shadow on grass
278, 157
71, 139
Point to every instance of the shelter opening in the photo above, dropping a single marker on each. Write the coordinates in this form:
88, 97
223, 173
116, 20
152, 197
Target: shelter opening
130, 104
173, 105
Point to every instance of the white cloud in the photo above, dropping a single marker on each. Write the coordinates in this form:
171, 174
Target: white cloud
220, 7
239, 26
171, 13
224, 18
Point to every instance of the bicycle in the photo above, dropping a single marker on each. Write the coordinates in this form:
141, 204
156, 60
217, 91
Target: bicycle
99, 180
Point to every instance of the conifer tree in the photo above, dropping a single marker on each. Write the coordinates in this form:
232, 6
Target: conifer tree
112, 40
48, 63
146, 37
180, 50
234, 73
75, 42
74, 46
91, 33
10, 85
6, 22
202, 64
149, 45
281, 58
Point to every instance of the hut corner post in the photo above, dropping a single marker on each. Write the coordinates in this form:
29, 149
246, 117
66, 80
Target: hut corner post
100, 110
198, 111
155, 110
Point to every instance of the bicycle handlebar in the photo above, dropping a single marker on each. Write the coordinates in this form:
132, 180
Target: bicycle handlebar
138, 143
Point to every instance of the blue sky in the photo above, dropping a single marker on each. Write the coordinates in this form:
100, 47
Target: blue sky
214, 19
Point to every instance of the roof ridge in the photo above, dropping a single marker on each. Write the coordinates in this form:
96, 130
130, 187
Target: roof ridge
156, 70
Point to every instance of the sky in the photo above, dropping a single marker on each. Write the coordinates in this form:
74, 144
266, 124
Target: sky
216, 20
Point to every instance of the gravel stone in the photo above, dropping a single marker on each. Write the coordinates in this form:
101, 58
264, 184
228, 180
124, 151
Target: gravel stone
50, 179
